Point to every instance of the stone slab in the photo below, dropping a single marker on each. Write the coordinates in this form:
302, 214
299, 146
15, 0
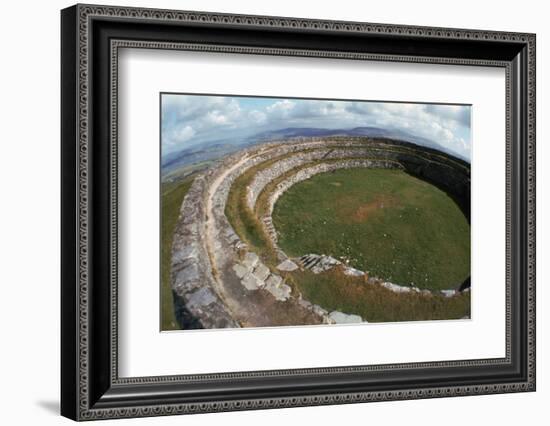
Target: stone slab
240, 270
352, 272
319, 311
448, 293
273, 281
250, 260
287, 266
281, 292
251, 282
396, 288
261, 271
341, 318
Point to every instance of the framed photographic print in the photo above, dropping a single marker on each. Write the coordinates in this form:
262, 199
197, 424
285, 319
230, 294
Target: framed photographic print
263, 212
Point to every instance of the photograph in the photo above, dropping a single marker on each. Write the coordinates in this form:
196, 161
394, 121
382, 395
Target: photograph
265, 208
282, 211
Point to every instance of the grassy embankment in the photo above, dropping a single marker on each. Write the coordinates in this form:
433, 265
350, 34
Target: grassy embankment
337, 291
171, 199
334, 290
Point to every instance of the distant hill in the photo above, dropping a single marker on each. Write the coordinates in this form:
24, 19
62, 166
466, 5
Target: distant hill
211, 150
202, 152
373, 132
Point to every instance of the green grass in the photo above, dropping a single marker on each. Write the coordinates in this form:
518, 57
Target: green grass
396, 227
334, 290
171, 199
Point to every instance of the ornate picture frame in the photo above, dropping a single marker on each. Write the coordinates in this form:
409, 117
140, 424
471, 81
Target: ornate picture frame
91, 37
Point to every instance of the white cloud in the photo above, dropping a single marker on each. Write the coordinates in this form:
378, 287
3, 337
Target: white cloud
192, 119
257, 117
447, 125
280, 109
185, 133
187, 117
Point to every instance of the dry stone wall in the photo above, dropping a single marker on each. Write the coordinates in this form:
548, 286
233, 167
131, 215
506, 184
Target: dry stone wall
279, 168
196, 303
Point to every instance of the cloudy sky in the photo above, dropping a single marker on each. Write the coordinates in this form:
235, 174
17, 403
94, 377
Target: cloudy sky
191, 119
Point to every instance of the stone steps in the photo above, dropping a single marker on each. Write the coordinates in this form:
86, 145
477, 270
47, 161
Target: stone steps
308, 261
270, 228
318, 263
254, 275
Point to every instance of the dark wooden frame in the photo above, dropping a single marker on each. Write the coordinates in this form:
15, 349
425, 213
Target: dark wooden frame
90, 386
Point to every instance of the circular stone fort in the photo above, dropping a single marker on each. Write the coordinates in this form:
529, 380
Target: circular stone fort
229, 267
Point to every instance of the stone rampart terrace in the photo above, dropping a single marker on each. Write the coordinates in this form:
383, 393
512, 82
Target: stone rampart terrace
218, 282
